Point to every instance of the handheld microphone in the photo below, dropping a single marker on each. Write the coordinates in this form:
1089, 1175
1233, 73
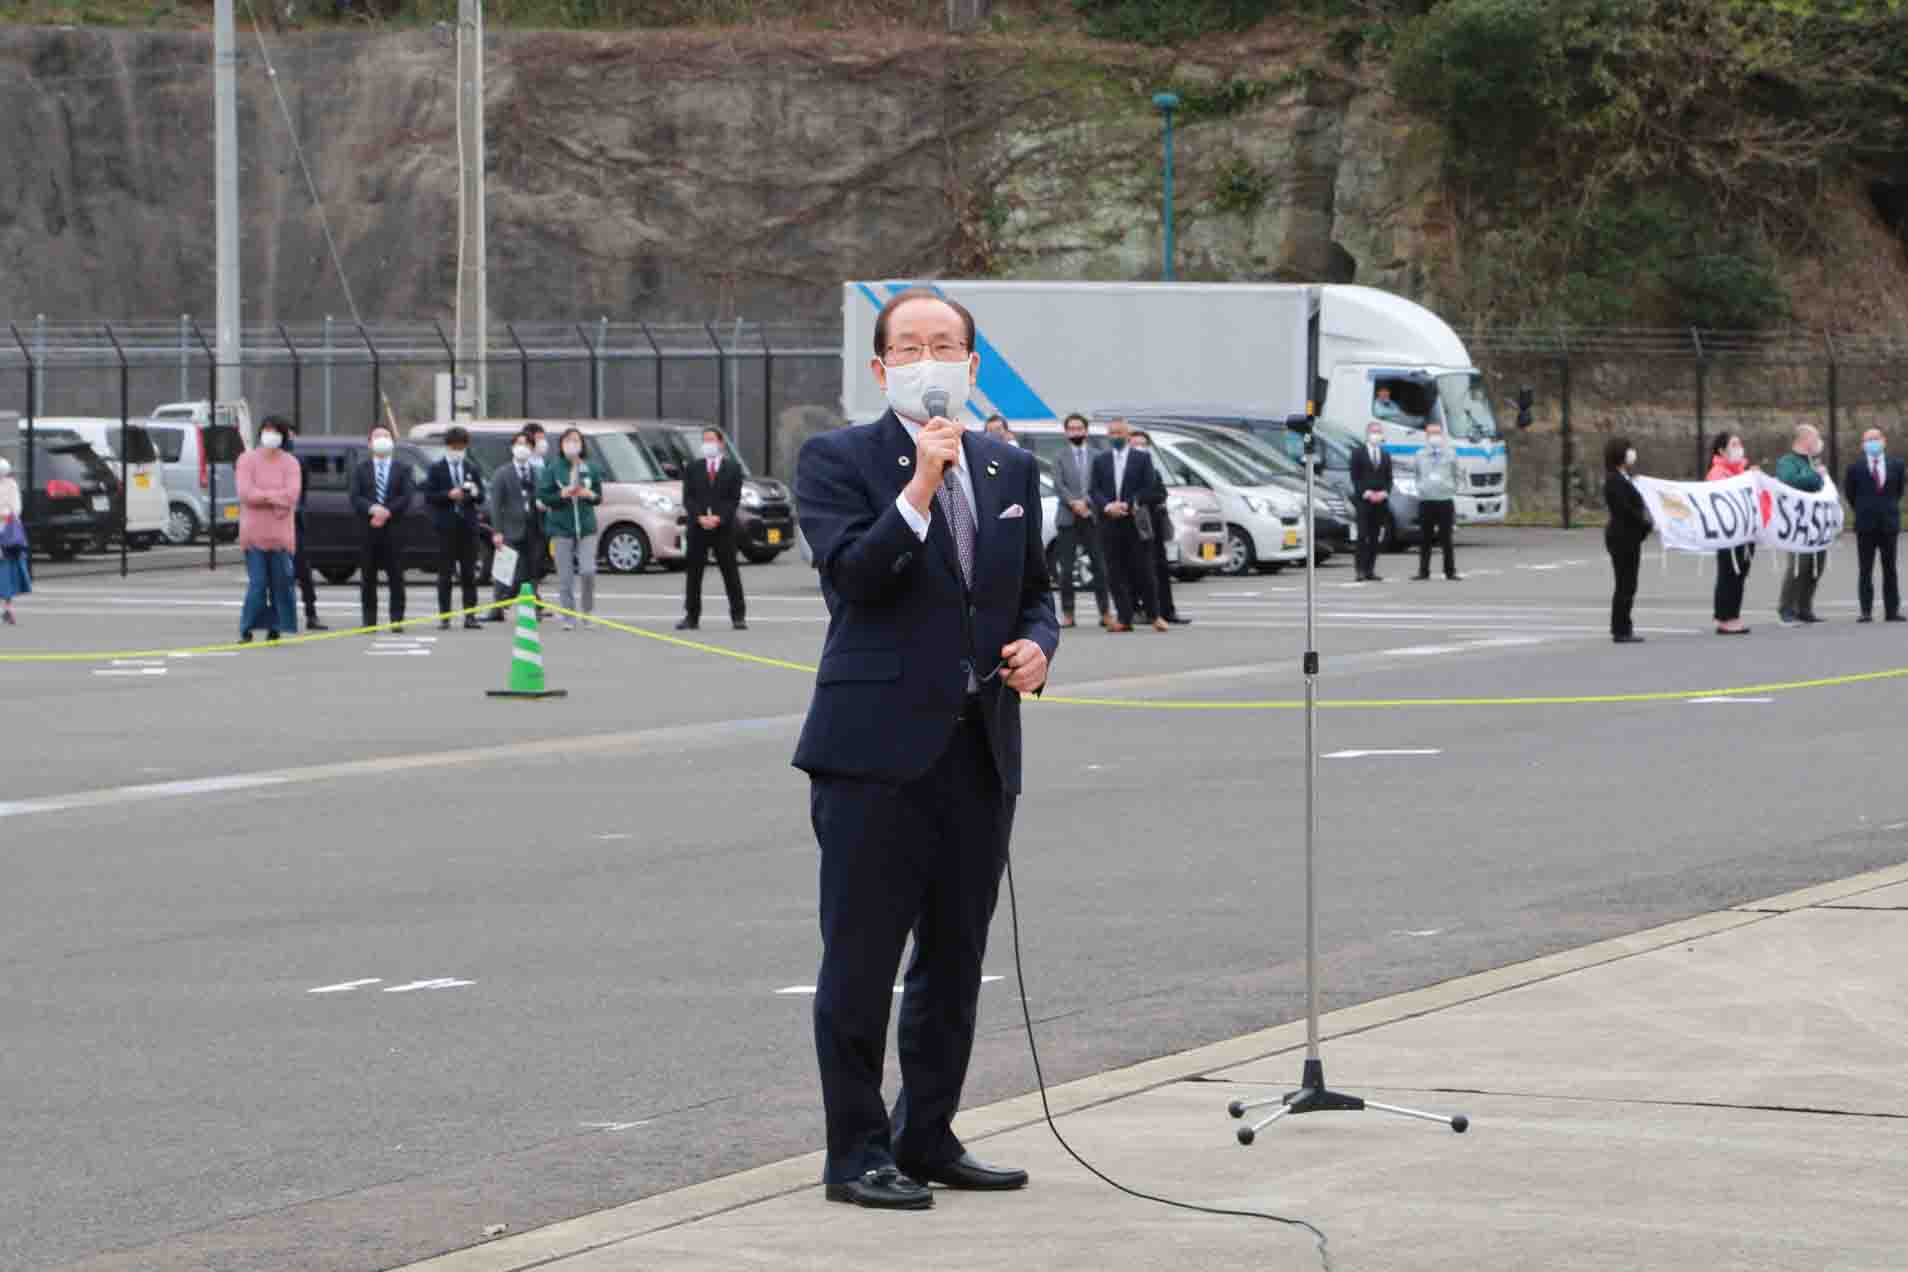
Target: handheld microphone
934, 401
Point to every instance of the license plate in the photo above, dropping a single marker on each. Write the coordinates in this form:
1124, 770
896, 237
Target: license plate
1291, 538
774, 535
142, 481
1209, 552
1487, 507
231, 514
102, 503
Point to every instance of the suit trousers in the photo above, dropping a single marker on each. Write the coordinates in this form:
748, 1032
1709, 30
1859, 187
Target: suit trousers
1732, 576
457, 553
1162, 572
1129, 567
1800, 574
923, 857
696, 547
301, 571
1069, 541
380, 552
1435, 519
1870, 544
531, 549
1626, 561
1372, 520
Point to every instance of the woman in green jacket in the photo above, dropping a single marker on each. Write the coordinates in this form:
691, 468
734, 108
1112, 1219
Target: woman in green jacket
571, 488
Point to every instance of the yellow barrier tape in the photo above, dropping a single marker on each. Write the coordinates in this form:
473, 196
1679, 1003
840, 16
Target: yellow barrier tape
1151, 704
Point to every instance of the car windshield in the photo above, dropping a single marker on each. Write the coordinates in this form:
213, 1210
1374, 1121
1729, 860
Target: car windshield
1253, 450
1216, 462
1466, 406
687, 443
623, 457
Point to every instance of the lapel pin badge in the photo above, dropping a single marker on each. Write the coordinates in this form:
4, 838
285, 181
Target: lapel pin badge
993, 468
904, 461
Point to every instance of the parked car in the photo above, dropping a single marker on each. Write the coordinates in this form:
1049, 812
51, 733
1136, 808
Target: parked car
640, 519
144, 502
200, 464
1334, 526
334, 532
766, 524
69, 506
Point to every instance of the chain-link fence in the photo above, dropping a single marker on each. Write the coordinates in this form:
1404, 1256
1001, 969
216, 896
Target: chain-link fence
1669, 392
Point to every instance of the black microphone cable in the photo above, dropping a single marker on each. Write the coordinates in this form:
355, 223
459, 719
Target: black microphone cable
1033, 1049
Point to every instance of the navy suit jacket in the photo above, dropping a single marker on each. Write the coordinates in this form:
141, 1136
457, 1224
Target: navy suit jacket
445, 512
1875, 509
1140, 482
397, 494
903, 628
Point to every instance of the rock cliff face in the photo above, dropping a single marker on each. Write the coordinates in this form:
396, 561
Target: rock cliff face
680, 176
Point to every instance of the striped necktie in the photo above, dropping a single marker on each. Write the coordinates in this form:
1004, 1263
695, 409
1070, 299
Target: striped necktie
384, 476
960, 520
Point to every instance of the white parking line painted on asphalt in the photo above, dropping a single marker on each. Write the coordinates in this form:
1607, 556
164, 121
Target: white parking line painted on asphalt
1365, 755
1723, 698
139, 794
808, 990
609, 1128
344, 986
129, 671
1415, 651
1417, 931
441, 982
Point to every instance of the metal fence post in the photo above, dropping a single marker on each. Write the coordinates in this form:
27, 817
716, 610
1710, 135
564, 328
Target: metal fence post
523, 372
32, 381
213, 521
1563, 373
657, 350
602, 342
377, 377
1702, 397
1834, 401
185, 357
298, 381
125, 468
39, 345
722, 376
768, 404
595, 371
328, 428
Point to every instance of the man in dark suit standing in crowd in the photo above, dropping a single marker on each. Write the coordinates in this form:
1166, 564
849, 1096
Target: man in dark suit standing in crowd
711, 496
1125, 490
1873, 487
928, 543
301, 565
1371, 482
1162, 535
455, 490
1075, 531
381, 490
516, 520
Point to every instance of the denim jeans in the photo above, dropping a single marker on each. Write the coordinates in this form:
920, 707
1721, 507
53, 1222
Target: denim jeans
268, 593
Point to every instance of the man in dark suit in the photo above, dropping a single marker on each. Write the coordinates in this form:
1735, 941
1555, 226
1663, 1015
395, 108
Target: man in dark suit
1371, 482
1873, 488
1125, 489
1075, 531
455, 490
711, 494
381, 490
301, 565
928, 543
516, 520
1162, 535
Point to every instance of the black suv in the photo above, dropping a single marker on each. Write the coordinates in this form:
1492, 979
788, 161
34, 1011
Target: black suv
765, 526
73, 503
334, 533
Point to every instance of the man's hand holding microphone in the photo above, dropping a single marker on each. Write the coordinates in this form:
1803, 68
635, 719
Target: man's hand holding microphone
937, 450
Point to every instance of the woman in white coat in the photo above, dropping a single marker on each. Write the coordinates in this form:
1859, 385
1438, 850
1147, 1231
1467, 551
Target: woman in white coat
13, 544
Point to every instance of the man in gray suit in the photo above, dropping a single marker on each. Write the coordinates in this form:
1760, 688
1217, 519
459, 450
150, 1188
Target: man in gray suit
1073, 520
516, 520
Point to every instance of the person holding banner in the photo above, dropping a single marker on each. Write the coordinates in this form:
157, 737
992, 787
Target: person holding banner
1874, 486
1623, 535
1728, 458
1801, 469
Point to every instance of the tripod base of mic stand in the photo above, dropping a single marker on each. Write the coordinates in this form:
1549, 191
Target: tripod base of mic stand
1313, 1096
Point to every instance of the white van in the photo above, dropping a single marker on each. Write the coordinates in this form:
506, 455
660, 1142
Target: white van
147, 511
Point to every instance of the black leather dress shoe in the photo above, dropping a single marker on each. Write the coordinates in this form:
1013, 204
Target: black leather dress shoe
472, 625
688, 625
883, 1189
313, 625
1177, 621
741, 625
1865, 618
968, 1172
1897, 618
1627, 640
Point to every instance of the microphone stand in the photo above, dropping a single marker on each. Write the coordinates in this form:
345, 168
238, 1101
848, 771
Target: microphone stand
1313, 1096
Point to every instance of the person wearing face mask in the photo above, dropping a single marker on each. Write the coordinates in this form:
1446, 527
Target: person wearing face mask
1623, 534
1125, 490
1802, 469
1073, 523
1873, 485
1437, 471
515, 520
1728, 458
569, 491
1371, 482
269, 485
381, 490
928, 545
454, 488
712, 494
15, 580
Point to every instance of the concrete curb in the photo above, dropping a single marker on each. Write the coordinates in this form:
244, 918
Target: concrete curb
585, 1233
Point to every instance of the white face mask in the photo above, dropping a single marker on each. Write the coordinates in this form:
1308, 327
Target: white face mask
1735, 454
572, 449
543, 446
1374, 439
1434, 440
457, 456
271, 441
908, 385
6, 468
382, 446
1629, 457
712, 450
520, 452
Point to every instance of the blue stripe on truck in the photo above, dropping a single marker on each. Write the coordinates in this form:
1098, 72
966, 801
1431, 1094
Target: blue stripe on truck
998, 382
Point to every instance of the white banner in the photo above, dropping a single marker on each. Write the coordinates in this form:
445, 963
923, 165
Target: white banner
1705, 516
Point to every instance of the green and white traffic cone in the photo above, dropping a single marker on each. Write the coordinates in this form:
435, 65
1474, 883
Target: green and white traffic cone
526, 656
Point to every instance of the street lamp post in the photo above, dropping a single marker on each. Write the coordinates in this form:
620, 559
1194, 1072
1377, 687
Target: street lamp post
1166, 104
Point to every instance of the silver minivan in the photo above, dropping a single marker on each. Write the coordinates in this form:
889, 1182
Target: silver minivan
187, 450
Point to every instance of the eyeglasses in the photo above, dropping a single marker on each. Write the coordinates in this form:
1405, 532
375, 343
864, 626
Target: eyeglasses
944, 351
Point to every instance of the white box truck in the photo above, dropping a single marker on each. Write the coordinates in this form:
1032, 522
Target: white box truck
1234, 354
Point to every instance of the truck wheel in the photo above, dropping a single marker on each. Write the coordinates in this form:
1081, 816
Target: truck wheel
1240, 558
626, 549
182, 525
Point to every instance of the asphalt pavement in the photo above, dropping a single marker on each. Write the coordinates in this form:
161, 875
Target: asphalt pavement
320, 958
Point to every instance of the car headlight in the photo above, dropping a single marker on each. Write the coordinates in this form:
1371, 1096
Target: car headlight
751, 497
656, 501
1405, 485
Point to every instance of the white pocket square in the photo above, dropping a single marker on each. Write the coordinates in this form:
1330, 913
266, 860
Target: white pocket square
1010, 513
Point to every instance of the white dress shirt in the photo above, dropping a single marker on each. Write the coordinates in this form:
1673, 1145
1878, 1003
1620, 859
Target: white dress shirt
912, 515
1119, 470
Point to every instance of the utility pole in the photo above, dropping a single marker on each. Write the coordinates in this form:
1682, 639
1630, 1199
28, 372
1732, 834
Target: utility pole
473, 302
228, 385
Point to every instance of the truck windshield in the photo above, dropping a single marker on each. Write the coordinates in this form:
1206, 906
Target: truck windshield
1466, 406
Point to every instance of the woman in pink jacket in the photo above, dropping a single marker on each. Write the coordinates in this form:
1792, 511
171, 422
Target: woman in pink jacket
268, 486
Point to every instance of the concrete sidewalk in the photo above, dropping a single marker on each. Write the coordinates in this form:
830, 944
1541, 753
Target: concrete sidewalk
1730, 1092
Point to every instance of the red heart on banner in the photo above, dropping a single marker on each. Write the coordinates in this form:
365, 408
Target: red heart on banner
1768, 507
